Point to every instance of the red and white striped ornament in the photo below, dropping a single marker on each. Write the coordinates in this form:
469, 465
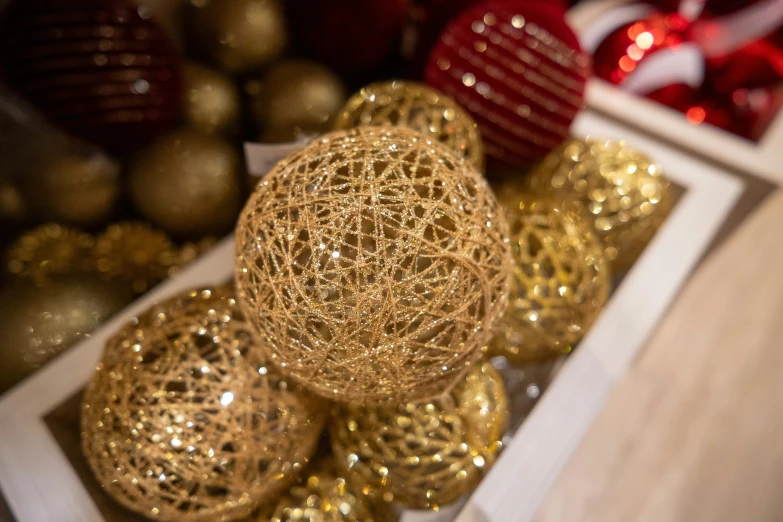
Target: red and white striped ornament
517, 67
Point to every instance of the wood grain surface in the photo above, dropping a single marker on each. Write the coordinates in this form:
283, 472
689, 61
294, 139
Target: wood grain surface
693, 431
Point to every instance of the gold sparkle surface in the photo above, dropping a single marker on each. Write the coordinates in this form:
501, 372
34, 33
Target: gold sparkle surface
50, 250
374, 264
622, 192
184, 419
419, 107
424, 454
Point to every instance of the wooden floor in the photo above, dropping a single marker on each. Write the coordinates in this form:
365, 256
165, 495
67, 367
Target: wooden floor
694, 432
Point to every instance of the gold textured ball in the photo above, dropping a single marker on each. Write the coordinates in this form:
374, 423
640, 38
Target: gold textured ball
239, 35
422, 108
561, 282
324, 495
12, 204
184, 420
295, 98
49, 250
374, 264
211, 99
188, 183
424, 454
38, 323
622, 191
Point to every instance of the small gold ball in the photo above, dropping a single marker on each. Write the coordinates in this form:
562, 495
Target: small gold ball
211, 99
424, 454
421, 108
50, 250
620, 190
188, 183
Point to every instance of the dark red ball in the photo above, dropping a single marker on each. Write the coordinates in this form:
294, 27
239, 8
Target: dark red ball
95, 68
518, 68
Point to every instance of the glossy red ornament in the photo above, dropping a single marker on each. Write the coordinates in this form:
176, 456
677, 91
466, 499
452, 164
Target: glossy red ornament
519, 70
95, 68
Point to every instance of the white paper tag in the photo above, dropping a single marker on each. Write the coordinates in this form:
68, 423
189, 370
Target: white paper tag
261, 157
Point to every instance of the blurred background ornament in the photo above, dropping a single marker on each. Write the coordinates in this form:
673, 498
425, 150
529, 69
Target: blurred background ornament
12, 205
50, 250
93, 67
188, 183
621, 191
192, 249
518, 69
425, 454
561, 281
238, 35
416, 106
334, 238
295, 98
211, 99
38, 323
184, 419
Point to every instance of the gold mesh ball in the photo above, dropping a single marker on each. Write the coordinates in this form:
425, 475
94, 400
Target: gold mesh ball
184, 419
623, 192
50, 250
424, 454
419, 107
324, 495
374, 264
561, 282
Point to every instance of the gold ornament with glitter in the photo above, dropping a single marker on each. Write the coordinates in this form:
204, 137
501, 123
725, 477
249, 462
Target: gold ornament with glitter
49, 250
621, 191
424, 454
561, 281
184, 419
421, 108
374, 264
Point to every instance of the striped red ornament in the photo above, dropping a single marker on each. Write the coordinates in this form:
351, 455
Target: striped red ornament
518, 68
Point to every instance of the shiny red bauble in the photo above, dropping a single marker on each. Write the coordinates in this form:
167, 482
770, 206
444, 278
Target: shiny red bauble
518, 68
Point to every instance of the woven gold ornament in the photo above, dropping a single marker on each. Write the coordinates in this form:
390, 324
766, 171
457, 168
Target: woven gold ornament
49, 250
184, 419
421, 108
622, 191
324, 495
561, 282
424, 454
374, 264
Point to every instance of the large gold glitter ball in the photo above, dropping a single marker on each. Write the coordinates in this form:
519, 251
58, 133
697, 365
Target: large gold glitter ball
374, 264
424, 454
561, 282
422, 108
325, 495
188, 183
50, 250
211, 99
184, 419
621, 190
39, 323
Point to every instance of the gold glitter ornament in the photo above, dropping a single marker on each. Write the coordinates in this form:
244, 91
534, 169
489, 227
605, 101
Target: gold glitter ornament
324, 495
622, 191
374, 264
561, 282
137, 253
184, 420
422, 108
211, 99
38, 323
49, 250
424, 454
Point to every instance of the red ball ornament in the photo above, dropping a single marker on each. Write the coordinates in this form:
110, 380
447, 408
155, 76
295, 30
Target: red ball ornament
519, 70
95, 68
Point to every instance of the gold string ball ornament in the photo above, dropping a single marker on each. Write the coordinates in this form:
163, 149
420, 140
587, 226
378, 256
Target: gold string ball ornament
621, 191
374, 264
424, 454
325, 495
184, 419
50, 250
561, 282
422, 108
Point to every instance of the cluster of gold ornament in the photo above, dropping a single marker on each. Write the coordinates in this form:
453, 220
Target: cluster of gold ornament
50, 250
421, 108
424, 454
373, 264
185, 419
622, 191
